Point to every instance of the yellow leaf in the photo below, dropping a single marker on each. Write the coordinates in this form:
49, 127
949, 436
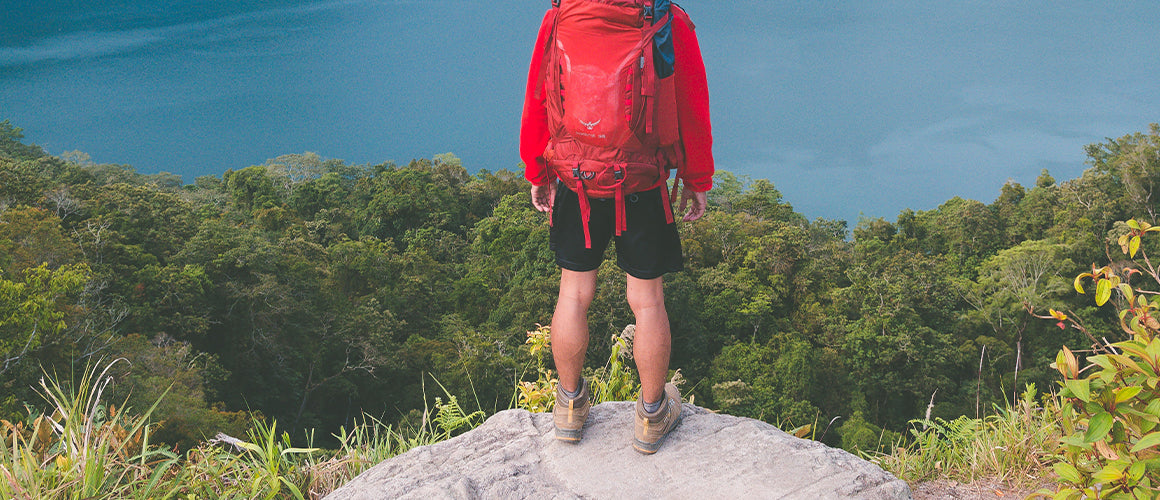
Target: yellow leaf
42, 429
1103, 291
1126, 393
1109, 474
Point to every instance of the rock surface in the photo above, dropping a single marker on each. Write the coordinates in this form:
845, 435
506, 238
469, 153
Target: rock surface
515, 455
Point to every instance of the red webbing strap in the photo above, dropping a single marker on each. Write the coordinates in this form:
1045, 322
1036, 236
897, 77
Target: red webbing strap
620, 173
648, 85
585, 211
621, 219
648, 77
546, 58
552, 203
668, 201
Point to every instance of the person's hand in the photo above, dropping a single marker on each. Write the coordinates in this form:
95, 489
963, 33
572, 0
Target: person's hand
543, 196
696, 209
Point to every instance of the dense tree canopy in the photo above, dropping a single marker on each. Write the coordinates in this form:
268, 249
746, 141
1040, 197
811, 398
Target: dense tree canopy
313, 290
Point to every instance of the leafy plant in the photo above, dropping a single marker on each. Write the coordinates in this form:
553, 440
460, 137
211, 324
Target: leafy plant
1110, 444
83, 449
614, 381
1010, 445
538, 396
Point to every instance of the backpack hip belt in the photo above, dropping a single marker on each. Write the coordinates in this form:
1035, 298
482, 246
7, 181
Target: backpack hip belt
611, 180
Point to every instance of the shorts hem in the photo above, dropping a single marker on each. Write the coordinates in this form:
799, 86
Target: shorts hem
574, 267
641, 275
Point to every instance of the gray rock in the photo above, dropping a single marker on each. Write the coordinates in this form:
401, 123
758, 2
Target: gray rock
515, 455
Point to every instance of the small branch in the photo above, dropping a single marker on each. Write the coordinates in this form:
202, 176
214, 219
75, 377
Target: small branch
979, 384
27, 346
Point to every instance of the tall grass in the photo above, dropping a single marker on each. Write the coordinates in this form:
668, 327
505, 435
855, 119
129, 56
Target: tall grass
1014, 445
86, 449
83, 449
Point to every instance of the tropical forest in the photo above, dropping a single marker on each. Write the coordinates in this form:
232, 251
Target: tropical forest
293, 323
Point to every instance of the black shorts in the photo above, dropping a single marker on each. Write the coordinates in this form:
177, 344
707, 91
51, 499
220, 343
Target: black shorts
648, 249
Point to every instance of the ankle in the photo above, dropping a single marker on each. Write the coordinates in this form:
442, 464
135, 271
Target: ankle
651, 408
576, 393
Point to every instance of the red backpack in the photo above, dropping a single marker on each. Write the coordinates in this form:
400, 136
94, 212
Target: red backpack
612, 119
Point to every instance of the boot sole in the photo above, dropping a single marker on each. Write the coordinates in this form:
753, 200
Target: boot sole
650, 448
569, 436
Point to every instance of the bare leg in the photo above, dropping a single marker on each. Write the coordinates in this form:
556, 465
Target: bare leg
570, 326
653, 342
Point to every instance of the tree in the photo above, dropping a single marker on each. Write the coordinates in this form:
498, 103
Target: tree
12, 147
288, 171
252, 188
899, 344
30, 237
1134, 162
771, 382
1012, 284
33, 310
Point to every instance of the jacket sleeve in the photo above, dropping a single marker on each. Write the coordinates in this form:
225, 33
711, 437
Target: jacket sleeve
692, 105
534, 132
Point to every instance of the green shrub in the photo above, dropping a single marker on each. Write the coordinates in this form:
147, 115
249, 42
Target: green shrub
614, 381
861, 437
1110, 444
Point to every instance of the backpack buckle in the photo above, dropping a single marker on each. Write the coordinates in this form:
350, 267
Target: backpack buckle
555, 3
618, 174
648, 12
584, 176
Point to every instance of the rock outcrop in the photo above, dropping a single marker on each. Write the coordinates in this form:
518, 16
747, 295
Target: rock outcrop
515, 455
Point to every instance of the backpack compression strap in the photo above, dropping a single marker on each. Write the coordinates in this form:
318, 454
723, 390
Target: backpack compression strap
620, 173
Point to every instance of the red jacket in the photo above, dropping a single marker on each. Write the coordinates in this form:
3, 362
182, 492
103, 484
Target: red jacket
692, 109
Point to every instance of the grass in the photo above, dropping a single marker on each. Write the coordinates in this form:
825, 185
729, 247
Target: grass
86, 449
1015, 445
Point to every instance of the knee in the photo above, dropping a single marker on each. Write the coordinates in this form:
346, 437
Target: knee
646, 299
580, 297
577, 289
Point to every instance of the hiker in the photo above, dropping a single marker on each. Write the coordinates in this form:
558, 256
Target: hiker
616, 98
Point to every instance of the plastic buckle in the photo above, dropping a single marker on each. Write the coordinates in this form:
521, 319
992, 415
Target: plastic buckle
618, 174
576, 173
555, 3
648, 12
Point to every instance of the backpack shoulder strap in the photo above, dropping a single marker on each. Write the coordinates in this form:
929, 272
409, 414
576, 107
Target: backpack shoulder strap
545, 55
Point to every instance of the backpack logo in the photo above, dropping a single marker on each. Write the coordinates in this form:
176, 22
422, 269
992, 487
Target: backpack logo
591, 125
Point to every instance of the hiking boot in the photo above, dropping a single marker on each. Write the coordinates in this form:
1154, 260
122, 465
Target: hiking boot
651, 428
569, 414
